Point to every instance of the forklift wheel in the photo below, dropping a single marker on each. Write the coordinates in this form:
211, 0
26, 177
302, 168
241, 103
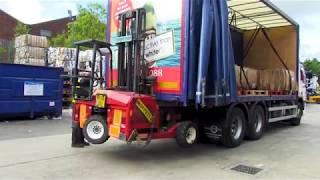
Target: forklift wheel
187, 134
95, 130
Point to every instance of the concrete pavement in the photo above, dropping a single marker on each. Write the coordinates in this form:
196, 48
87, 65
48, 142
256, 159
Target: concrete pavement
284, 152
14, 129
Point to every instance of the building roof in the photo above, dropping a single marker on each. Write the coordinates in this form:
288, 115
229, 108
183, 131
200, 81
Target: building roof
250, 14
7, 24
55, 27
52, 27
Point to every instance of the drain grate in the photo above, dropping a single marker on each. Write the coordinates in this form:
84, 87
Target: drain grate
246, 169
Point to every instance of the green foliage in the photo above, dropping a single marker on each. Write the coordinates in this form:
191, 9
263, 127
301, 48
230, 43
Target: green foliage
21, 29
59, 40
312, 65
2, 50
90, 24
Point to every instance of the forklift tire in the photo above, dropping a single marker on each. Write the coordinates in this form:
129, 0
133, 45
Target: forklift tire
95, 130
233, 130
296, 121
187, 134
257, 124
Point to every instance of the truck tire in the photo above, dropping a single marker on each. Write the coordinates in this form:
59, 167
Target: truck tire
233, 129
187, 134
257, 123
95, 130
296, 121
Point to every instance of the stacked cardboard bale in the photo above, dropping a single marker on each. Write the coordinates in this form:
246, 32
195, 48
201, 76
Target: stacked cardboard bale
267, 79
62, 57
30, 50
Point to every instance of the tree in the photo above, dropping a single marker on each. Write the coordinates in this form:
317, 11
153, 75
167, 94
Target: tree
312, 65
59, 40
90, 24
2, 50
21, 29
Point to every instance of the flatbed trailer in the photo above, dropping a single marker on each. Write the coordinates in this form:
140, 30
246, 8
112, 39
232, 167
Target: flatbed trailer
186, 89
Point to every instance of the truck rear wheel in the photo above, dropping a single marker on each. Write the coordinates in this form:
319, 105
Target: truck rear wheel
187, 134
95, 130
233, 129
257, 124
296, 121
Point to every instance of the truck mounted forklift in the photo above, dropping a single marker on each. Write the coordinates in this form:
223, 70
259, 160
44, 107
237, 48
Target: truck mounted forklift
125, 108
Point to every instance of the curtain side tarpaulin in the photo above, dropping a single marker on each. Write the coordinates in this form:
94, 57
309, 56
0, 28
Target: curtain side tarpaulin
215, 71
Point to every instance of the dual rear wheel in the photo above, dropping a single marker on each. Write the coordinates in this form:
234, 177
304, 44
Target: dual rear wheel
233, 128
237, 125
257, 122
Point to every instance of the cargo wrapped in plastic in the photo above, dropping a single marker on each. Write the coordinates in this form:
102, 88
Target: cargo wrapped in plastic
85, 56
277, 80
61, 57
31, 40
247, 78
85, 59
65, 57
30, 52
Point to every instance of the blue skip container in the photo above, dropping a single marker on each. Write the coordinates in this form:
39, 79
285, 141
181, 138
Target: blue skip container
30, 91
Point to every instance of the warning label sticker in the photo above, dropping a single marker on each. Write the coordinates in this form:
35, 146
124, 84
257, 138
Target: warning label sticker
145, 111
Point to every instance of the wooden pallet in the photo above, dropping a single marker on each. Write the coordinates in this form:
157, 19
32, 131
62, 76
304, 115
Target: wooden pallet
257, 93
244, 92
253, 92
275, 93
281, 92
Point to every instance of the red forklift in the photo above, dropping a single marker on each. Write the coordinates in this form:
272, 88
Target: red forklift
127, 110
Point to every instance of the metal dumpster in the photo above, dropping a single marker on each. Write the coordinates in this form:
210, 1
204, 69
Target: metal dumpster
30, 91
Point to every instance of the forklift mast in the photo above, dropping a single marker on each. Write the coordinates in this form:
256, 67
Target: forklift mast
132, 69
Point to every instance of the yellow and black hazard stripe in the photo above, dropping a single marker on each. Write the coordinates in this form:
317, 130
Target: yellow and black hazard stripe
145, 110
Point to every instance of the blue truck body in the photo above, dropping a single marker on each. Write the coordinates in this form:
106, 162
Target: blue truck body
207, 50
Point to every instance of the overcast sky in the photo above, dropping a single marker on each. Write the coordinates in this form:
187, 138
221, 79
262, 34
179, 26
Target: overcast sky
305, 12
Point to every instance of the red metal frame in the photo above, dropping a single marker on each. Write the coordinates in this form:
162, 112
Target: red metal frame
133, 117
